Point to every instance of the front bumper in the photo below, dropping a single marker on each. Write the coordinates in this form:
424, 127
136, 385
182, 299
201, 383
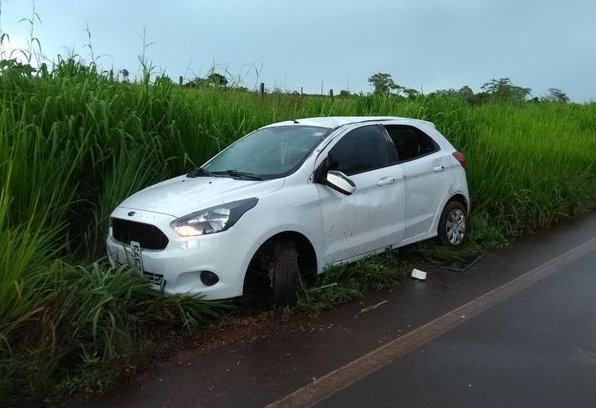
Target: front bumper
177, 268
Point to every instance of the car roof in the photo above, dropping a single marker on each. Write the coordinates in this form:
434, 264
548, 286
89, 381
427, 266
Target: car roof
337, 121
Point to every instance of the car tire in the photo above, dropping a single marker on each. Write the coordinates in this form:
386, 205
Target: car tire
284, 273
453, 224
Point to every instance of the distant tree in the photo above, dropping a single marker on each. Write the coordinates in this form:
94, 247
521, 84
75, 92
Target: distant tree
344, 94
443, 93
505, 91
408, 92
193, 83
382, 83
555, 95
466, 93
216, 79
164, 79
213, 79
125, 74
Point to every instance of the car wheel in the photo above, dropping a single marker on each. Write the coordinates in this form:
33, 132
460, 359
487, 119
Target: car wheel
283, 273
453, 224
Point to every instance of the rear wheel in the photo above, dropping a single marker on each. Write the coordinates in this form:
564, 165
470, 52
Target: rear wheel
453, 224
283, 273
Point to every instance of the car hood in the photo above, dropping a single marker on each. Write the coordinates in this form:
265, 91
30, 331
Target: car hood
182, 195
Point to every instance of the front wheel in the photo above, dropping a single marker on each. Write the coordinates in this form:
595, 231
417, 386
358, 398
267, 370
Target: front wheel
283, 273
453, 224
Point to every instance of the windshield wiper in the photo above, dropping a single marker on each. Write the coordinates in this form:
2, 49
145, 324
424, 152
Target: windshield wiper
237, 174
199, 172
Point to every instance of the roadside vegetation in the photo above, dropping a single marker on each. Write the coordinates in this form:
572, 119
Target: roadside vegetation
75, 141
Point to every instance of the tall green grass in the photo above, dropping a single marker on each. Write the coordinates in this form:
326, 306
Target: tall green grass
74, 142
533, 165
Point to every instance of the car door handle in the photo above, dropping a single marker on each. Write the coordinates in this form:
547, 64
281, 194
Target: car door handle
439, 168
386, 181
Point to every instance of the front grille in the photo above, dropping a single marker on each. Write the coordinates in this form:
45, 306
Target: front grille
147, 235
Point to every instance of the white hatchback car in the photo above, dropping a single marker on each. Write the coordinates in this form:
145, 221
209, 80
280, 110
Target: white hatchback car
292, 198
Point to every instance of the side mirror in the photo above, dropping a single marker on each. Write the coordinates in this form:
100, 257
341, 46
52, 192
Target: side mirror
340, 182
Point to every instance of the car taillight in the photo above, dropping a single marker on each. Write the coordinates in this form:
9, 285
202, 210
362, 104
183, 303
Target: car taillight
460, 158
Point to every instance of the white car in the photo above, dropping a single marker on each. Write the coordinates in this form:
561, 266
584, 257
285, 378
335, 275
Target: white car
292, 198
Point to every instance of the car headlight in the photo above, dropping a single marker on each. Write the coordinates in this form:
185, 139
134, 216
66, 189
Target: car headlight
213, 219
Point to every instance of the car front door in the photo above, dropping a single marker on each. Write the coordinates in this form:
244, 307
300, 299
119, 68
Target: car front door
371, 218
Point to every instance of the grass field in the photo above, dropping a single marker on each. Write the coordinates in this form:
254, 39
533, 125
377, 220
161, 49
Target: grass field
74, 142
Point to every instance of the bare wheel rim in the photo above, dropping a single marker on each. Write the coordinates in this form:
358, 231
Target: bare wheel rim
455, 227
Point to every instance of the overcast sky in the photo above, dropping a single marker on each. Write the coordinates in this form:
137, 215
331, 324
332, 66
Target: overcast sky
327, 44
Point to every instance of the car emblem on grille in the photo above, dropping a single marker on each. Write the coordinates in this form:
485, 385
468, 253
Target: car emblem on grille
130, 214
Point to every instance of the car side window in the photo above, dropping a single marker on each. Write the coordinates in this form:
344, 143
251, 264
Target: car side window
411, 142
363, 149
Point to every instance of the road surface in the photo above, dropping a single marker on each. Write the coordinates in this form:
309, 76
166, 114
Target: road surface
517, 329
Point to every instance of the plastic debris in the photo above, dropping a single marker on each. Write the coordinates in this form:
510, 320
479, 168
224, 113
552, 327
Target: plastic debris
418, 274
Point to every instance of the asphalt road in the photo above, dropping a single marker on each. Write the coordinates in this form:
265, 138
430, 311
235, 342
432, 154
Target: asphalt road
517, 329
536, 348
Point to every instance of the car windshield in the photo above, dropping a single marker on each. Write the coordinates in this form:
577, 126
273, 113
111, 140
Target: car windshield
266, 153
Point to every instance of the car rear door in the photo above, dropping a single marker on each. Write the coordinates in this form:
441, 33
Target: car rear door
371, 218
426, 182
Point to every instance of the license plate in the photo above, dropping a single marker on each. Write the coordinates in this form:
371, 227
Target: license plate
135, 256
